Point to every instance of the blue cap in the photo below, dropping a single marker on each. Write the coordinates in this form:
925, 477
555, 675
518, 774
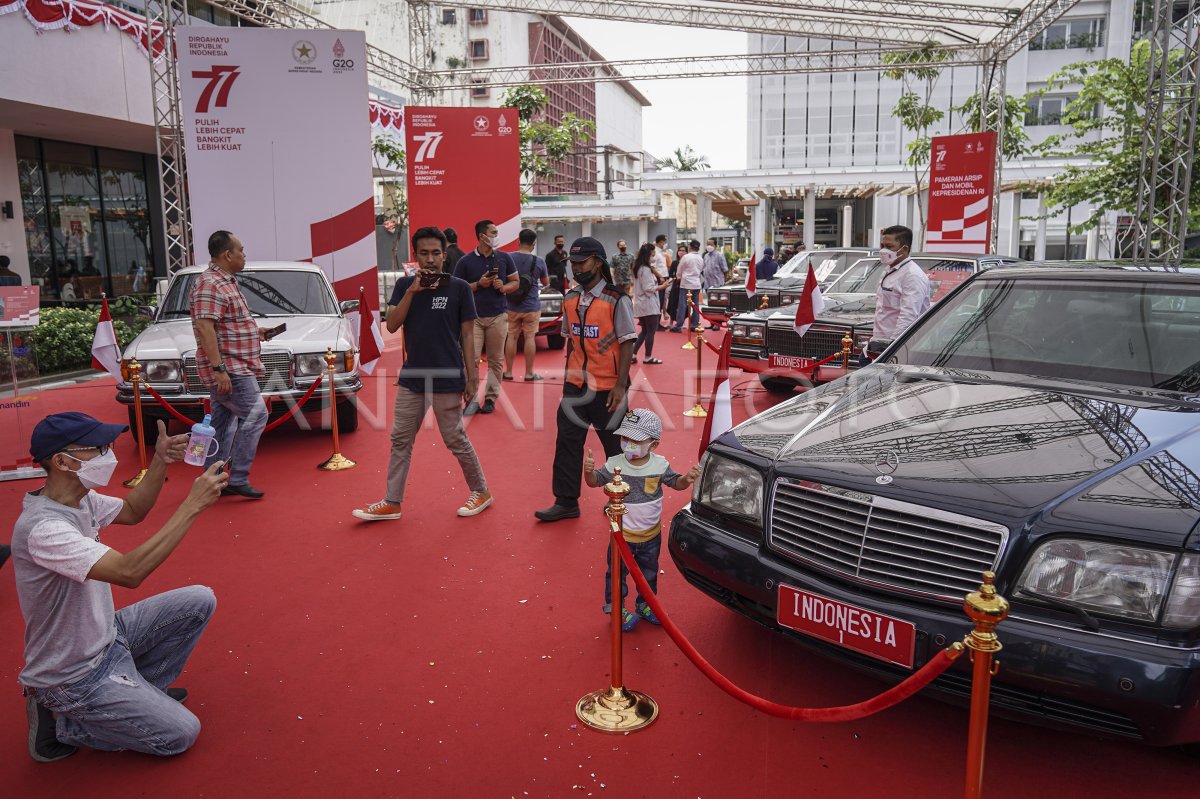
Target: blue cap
60, 430
768, 251
587, 247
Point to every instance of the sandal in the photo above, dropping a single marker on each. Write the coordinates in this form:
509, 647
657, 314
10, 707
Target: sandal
652, 360
506, 377
530, 378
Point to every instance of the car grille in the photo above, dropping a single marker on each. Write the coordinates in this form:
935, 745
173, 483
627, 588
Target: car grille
277, 378
741, 301
815, 344
883, 541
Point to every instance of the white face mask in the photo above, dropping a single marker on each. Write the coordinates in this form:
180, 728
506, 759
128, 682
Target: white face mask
888, 257
634, 451
98, 471
710, 248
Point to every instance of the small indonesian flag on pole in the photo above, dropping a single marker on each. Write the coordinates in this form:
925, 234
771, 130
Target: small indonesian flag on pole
106, 355
720, 404
811, 303
751, 280
370, 341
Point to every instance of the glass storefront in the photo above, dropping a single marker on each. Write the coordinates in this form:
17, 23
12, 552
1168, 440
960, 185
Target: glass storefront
88, 224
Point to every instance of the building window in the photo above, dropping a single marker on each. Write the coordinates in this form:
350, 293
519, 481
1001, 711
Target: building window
1049, 109
477, 49
449, 16
477, 16
480, 88
1071, 34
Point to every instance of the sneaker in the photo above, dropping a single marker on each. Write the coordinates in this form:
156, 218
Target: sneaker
378, 512
180, 695
471, 409
646, 613
476, 503
628, 621
488, 406
44, 746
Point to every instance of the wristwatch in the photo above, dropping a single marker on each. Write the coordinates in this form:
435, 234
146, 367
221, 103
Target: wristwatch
220, 368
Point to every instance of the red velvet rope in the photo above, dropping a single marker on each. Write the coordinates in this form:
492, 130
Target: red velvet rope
292, 411
892, 696
547, 325
159, 399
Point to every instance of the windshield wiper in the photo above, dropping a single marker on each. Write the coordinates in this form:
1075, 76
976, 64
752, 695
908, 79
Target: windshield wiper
1089, 621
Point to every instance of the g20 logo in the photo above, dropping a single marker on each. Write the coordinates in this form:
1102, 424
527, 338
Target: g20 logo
343, 63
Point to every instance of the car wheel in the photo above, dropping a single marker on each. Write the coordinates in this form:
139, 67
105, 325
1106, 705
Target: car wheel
150, 421
555, 341
347, 415
778, 385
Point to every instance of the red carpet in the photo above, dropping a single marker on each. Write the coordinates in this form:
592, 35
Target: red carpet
442, 657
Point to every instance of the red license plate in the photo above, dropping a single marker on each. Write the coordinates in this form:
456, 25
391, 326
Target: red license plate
790, 362
865, 631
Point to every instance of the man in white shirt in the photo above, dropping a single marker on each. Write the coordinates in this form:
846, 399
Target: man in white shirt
903, 294
690, 275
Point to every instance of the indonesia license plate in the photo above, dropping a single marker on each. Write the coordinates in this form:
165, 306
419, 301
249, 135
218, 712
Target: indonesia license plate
791, 362
883, 637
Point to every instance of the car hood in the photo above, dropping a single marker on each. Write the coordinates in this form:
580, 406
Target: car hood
1022, 452
842, 309
173, 338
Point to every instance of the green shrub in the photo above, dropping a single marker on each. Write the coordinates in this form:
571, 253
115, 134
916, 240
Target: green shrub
63, 340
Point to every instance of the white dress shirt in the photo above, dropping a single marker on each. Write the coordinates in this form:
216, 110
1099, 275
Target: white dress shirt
902, 296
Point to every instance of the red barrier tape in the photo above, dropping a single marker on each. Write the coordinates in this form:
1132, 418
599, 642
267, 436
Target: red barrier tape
292, 411
893, 696
159, 399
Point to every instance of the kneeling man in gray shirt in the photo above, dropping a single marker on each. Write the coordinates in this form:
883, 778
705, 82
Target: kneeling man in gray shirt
94, 676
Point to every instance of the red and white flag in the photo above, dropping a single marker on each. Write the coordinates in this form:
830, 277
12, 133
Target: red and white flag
106, 353
811, 303
751, 281
720, 404
370, 340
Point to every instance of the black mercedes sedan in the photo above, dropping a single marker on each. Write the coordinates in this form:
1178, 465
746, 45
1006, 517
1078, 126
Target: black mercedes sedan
1040, 422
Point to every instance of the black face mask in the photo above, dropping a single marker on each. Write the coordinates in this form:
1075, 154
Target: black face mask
558, 246
586, 278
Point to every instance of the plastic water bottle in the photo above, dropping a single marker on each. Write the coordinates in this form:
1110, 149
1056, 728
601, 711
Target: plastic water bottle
203, 434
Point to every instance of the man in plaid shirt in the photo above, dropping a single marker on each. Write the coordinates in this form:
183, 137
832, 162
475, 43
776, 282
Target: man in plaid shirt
228, 360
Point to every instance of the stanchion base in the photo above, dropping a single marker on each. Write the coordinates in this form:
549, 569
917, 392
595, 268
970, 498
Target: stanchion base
137, 478
616, 710
336, 463
697, 410
688, 346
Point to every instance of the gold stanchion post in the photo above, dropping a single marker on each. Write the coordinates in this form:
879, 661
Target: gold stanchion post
687, 320
697, 410
616, 709
847, 345
986, 609
135, 378
336, 461
766, 302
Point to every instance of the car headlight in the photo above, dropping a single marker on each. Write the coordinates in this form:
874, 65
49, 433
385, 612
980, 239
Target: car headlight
750, 332
719, 297
1110, 579
161, 372
786, 299
552, 306
729, 487
309, 364
1183, 607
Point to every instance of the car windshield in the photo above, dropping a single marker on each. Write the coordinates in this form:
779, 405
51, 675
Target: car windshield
861, 278
1118, 332
268, 292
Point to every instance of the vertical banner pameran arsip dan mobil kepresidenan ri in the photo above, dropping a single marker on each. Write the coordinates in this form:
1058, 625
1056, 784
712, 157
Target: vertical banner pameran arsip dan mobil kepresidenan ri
279, 147
962, 175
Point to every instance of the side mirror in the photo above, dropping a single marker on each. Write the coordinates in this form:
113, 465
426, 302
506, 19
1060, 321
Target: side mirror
876, 346
348, 305
146, 311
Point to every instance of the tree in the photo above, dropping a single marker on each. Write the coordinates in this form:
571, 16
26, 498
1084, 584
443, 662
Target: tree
915, 108
1015, 142
388, 152
1109, 143
684, 159
544, 144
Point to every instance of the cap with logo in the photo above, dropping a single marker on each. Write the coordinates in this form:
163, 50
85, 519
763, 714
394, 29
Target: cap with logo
587, 247
641, 424
60, 430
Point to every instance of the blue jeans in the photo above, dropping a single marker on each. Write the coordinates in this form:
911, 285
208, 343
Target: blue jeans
239, 418
645, 555
121, 703
681, 308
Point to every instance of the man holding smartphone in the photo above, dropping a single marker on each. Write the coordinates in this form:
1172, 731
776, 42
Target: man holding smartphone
439, 311
228, 359
491, 275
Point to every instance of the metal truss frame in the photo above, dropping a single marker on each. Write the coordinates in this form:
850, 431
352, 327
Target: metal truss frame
1169, 135
162, 18
993, 105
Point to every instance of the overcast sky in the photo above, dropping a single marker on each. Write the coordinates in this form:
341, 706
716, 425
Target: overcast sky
707, 113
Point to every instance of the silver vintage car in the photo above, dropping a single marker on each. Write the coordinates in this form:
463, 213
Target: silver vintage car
296, 294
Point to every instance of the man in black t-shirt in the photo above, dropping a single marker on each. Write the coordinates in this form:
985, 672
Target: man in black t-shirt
556, 264
453, 251
437, 312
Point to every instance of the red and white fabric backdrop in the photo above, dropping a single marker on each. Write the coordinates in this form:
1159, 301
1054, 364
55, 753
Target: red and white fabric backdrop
962, 175
278, 132
464, 165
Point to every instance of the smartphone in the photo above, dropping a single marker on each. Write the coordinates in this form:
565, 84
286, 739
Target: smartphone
275, 331
431, 279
